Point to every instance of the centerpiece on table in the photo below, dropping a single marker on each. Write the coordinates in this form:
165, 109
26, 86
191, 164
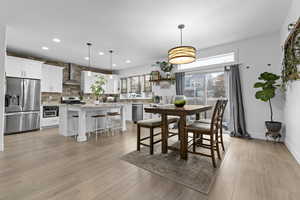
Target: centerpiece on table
179, 101
98, 88
268, 85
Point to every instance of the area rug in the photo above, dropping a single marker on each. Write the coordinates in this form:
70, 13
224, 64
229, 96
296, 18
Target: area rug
196, 173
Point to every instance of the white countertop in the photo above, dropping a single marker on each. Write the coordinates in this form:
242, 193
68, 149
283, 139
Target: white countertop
100, 105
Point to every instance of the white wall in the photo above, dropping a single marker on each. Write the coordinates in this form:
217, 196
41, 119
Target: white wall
257, 53
2, 82
292, 105
292, 17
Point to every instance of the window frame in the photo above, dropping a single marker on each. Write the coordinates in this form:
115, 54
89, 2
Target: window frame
213, 66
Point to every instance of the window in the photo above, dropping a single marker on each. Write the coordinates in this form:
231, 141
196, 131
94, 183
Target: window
205, 88
208, 61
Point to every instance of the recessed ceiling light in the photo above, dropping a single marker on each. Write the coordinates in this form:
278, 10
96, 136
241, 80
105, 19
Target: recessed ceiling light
128, 61
56, 40
87, 58
101, 53
114, 65
45, 48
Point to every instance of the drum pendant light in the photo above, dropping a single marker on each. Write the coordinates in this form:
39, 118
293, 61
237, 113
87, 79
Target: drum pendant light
182, 54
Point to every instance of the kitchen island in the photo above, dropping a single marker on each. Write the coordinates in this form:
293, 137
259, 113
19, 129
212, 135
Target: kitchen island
69, 126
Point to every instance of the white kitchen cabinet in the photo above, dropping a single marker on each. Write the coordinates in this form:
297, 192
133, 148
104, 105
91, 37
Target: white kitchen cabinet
49, 122
23, 68
52, 79
88, 78
112, 84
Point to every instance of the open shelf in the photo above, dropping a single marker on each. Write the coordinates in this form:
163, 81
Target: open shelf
163, 79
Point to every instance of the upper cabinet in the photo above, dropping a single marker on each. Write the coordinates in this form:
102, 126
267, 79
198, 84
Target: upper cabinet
134, 84
147, 83
112, 84
52, 79
123, 85
23, 68
88, 78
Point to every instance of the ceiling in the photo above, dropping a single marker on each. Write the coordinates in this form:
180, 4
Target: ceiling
139, 30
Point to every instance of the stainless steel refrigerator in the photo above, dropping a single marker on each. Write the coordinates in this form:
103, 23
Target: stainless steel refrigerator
22, 105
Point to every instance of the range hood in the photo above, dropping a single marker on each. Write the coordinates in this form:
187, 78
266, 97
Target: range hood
71, 76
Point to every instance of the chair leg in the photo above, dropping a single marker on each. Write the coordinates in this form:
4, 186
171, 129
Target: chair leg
194, 142
221, 137
138, 138
201, 139
212, 151
151, 140
218, 149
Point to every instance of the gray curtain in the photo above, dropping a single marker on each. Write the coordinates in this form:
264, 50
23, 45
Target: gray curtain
179, 83
237, 114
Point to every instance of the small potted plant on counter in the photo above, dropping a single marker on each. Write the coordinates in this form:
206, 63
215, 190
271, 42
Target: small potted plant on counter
268, 85
98, 88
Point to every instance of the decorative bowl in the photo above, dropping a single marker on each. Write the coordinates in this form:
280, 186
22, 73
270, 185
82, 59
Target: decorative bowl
179, 101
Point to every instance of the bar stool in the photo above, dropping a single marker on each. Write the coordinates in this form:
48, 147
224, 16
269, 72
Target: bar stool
75, 125
113, 123
96, 119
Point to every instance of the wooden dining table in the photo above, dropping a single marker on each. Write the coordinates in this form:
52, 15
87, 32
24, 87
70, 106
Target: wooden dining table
171, 110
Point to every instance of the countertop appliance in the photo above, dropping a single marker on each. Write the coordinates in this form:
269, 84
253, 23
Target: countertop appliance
71, 100
22, 105
137, 112
50, 111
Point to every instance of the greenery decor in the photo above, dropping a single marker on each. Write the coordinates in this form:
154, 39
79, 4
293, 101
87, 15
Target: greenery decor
291, 56
268, 85
97, 87
165, 66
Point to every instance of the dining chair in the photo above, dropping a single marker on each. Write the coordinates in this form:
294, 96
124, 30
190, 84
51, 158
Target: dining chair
152, 124
199, 130
208, 121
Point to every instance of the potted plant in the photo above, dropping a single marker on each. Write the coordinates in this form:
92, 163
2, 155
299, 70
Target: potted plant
268, 85
98, 87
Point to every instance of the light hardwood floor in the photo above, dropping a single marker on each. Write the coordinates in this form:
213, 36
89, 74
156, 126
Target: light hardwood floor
43, 165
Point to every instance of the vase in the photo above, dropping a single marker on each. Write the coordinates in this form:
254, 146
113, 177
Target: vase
179, 101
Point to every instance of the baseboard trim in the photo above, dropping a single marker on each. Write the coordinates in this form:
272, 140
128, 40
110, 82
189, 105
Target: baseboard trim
292, 150
258, 136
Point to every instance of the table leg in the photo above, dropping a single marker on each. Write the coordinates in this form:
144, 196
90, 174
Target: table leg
164, 134
183, 138
82, 126
197, 116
